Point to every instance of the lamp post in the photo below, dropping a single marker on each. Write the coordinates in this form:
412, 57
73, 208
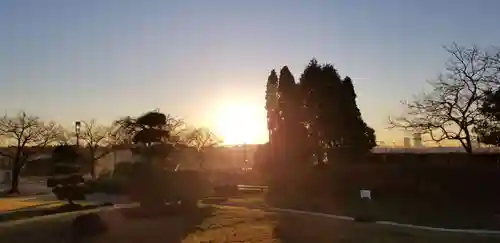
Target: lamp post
245, 162
77, 133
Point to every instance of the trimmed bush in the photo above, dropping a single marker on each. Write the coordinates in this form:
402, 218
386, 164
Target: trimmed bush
108, 185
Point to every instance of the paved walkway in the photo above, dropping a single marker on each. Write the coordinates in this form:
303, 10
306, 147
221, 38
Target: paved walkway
28, 186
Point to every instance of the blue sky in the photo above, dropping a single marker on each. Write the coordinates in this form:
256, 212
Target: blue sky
69, 60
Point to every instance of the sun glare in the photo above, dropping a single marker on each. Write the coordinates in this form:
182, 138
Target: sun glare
239, 124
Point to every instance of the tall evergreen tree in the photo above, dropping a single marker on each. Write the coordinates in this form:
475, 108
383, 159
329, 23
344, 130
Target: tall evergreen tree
334, 120
272, 105
330, 107
311, 92
286, 102
317, 117
322, 88
358, 137
268, 164
291, 108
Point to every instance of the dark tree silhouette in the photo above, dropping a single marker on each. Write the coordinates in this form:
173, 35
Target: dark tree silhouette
488, 129
317, 117
312, 90
156, 179
451, 111
329, 113
359, 136
291, 129
273, 119
333, 120
25, 136
149, 134
67, 180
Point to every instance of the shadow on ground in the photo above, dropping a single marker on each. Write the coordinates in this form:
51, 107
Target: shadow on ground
465, 214
124, 225
134, 225
227, 224
300, 228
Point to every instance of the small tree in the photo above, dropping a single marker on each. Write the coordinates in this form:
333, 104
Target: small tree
25, 136
150, 135
99, 141
67, 180
451, 111
201, 139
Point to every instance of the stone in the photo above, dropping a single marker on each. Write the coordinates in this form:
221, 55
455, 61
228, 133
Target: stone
87, 226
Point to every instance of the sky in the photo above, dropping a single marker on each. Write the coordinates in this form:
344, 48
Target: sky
69, 60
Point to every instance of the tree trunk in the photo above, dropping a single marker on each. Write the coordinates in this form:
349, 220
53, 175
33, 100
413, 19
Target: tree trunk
467, 143
202, 161
15, 180
468, 148
92, 169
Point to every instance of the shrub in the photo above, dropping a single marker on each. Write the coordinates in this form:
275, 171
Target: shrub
66, 180
109, 185
87, 226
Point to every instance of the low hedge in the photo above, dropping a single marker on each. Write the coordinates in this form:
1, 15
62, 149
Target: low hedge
108, 185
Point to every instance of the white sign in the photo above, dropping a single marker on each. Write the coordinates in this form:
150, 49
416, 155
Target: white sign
365, 194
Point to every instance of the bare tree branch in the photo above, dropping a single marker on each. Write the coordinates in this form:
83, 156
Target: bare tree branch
451, 110
25, 136
99, 141
201, 139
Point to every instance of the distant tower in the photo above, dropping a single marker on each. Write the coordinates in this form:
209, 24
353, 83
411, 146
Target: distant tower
407, 142
417, 140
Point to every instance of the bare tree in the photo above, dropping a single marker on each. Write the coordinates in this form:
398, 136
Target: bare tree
25, 137
451, 110
201, 139
99, 141
177, 128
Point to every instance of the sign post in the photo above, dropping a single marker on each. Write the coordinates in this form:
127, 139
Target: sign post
366, 209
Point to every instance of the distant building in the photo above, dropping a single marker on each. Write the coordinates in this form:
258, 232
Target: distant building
417, 140
407, 142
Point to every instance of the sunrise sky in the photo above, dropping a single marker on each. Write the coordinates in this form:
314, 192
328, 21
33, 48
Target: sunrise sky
208, 61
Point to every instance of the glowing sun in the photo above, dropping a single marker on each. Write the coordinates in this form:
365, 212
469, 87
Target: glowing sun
239, 124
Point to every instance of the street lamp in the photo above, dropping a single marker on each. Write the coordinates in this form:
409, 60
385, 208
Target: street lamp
245, 161
77, 132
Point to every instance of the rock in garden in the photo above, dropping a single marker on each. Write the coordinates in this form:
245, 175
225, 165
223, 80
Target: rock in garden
87, 226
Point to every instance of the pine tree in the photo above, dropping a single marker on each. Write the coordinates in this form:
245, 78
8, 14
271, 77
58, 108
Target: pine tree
358, 137
321, 86
267, 164
330, 107
333, 119
310, 86
272, 105
286, 104
291, 108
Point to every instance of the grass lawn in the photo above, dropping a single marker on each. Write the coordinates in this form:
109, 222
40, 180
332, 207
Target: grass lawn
7, 204
434, 213
42, 211
229, 224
